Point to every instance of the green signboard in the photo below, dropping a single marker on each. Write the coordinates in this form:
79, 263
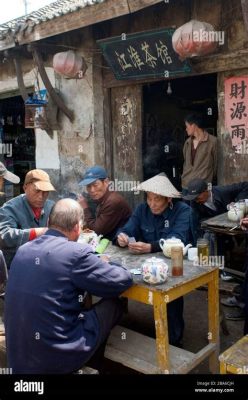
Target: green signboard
143, 55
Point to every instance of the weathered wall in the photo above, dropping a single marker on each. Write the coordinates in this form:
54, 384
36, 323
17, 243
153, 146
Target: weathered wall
66, 152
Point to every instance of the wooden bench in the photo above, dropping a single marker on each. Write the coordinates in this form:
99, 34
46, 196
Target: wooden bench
138, 352
234, 360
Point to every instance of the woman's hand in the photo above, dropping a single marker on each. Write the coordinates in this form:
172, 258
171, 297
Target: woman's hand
122, 240
140, 247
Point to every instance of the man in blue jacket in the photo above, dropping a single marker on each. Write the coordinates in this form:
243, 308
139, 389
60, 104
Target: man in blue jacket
158, 218
47, 328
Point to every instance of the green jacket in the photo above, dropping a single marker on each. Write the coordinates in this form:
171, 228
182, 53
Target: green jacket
16, 221
205, 162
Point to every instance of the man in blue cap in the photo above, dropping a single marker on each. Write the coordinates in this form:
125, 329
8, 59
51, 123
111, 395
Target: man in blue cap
112, 210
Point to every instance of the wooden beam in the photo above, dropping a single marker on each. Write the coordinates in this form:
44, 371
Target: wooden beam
220, 62
136, 5
200, 65
57, 100
86, 16
244, 5
19, 76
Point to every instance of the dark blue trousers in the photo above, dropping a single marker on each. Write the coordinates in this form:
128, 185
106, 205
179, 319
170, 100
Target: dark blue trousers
175, 321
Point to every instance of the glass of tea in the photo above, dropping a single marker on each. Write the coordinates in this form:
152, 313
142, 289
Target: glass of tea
203, 251
176, 261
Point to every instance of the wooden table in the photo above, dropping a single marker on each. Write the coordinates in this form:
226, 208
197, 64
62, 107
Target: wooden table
149, 355
220, 224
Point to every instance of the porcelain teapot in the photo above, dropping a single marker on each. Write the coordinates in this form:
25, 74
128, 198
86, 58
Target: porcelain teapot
166, 246
154, 270
234, 213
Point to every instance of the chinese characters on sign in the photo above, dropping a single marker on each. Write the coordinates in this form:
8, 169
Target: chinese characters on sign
140, 55
236, 112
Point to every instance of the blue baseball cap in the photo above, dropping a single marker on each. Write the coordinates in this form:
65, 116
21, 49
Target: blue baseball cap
92, 174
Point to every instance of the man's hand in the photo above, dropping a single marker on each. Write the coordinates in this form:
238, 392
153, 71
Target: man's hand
82, 201
105, 258
140, 247
244, 223
122, 239
40, 231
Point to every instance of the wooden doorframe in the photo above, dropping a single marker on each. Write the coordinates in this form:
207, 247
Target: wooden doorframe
108, 132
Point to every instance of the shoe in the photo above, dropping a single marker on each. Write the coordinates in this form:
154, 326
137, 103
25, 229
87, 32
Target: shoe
238, 315
231, 302
225, 277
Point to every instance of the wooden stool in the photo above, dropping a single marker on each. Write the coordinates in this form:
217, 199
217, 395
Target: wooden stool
235, 359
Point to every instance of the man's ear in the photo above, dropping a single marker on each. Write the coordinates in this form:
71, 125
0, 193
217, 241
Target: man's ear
77, 228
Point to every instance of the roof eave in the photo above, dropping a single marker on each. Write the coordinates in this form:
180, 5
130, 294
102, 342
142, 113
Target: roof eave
81, 18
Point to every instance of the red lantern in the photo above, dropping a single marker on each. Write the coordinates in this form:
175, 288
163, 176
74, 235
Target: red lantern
69, 64
195, 38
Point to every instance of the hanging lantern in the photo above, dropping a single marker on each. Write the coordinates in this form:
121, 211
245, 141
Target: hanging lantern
69, 64
195, 38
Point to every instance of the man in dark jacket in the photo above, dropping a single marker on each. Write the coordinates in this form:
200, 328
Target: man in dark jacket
47, 328
112, 210
208, 201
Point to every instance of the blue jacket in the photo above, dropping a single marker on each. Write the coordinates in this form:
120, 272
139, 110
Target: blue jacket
16, 220
46, 329
149, 228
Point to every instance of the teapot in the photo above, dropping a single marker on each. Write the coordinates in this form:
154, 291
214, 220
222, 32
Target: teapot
154, 270
234, 213
166, 245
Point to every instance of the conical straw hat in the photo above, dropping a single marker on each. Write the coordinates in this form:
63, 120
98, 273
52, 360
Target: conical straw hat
159, 184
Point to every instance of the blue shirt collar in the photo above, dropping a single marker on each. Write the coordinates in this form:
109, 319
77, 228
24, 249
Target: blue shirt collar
54, 232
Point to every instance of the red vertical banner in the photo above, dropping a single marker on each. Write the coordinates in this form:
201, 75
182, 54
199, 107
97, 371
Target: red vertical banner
236, 112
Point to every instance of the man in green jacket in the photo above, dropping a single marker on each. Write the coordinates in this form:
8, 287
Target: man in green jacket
25, 217
199, 151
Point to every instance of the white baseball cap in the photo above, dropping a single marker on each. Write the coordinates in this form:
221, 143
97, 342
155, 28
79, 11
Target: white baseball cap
9, 176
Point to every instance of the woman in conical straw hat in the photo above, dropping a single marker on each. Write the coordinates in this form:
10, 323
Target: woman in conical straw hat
159, 218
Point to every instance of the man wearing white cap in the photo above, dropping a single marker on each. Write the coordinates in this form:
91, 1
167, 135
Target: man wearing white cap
159, 218
25, 217
9, 176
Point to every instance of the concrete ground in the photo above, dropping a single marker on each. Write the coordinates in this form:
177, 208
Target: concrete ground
140, 319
